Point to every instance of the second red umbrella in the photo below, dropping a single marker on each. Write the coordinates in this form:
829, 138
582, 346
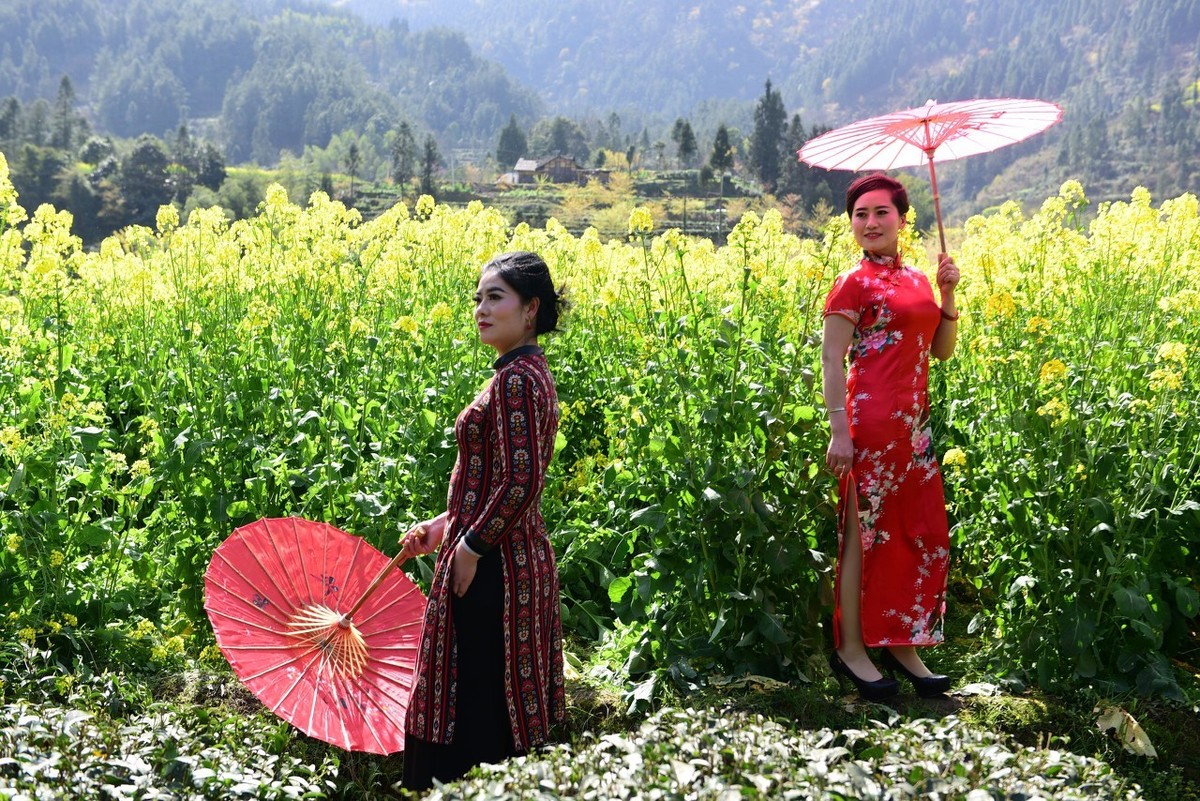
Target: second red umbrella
320, 627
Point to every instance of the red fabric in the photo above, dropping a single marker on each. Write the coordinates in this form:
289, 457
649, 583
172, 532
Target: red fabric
505, 443
900, 502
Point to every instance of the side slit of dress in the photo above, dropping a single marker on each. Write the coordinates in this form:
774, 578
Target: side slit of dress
847, 527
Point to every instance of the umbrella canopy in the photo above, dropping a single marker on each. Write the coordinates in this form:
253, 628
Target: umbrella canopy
316, 623
911, 137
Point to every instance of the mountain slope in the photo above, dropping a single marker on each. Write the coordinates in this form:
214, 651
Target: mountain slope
1124, 70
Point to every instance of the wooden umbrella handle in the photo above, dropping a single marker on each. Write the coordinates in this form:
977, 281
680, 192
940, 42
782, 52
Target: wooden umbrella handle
398, 559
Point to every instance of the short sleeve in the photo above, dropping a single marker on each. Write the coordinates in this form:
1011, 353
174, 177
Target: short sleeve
845, 298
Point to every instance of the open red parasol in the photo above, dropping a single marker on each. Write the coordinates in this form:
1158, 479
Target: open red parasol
319, 626
911, 137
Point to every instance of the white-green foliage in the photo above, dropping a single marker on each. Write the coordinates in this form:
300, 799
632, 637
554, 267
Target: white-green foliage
48, 751
706, 754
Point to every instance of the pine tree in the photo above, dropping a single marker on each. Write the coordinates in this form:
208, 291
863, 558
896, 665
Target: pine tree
512, 144
353, 163
65, 119
404, 155
767, 141
685, 141
430, 159
722, 152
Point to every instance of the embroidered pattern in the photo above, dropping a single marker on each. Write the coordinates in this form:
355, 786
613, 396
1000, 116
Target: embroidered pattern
505, 443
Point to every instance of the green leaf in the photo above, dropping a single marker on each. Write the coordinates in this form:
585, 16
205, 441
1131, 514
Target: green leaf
1130, 603
619, 588
369, 505
770, 628
722, 619
1187, 601
16, 481
92, 536
649, 516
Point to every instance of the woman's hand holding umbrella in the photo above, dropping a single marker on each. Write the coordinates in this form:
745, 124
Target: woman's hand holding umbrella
424, 537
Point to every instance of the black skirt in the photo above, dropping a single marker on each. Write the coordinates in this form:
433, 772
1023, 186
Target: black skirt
482, 730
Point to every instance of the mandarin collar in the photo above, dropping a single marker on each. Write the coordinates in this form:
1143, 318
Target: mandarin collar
515, 354
890, 262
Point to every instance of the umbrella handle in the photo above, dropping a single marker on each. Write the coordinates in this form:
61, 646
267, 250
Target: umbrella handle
398, 559
937, 203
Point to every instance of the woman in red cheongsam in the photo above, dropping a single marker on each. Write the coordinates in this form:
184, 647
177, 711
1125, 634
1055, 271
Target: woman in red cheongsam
893, 536
489, 675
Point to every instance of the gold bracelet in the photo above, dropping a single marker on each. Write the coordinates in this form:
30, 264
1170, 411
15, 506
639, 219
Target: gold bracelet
948, 317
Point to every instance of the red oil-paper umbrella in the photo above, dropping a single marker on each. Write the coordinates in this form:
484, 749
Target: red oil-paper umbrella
911, 137
320, 626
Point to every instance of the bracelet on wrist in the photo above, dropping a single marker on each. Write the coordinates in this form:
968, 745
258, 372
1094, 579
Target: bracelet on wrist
838, 409
951, 317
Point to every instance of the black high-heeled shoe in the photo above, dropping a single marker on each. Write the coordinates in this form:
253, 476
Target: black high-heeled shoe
878, 690
925, 686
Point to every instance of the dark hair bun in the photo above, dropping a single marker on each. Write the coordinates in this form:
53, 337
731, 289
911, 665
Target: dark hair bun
529, 276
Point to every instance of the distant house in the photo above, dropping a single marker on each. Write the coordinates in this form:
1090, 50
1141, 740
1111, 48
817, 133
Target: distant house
558, 169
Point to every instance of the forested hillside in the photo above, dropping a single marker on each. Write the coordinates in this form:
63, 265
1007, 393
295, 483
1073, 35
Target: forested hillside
1125, 70
267, 76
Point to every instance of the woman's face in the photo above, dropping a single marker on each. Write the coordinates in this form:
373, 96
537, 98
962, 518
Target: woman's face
876, 222
503, 319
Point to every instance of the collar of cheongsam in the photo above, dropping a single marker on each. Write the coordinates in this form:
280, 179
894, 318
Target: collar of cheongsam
896, 261
515, 354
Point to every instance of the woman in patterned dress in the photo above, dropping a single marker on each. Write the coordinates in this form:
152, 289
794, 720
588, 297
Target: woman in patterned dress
489, 677
893, 535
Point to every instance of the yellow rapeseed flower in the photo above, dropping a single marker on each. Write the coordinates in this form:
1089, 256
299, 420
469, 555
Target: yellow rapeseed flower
70, 619
167, 218
1039, 326
27, 634
955, 457
115, 462
64, 684
1185, 301
1140, 405
140, 469
1175, 352
57, 558
11, 441
441, 312
1056, 410
1001, 305
12, 543
592, 246
640, 221
1052, 372
425, 207
405, 324
1164, 378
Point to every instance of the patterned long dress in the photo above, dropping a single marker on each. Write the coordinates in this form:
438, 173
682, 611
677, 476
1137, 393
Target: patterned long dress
505, 443
895, 481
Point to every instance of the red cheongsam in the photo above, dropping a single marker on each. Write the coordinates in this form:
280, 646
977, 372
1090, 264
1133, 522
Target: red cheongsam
895, 479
